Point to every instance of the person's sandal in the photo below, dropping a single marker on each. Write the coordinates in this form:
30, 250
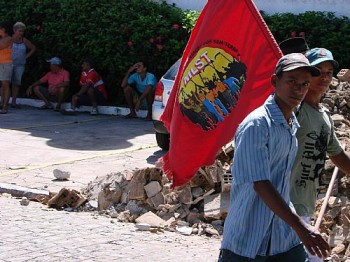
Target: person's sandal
129, 116
46, 107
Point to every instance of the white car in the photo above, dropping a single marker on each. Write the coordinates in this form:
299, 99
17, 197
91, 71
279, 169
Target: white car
162, 93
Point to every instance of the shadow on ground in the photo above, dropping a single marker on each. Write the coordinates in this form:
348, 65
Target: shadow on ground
77, 132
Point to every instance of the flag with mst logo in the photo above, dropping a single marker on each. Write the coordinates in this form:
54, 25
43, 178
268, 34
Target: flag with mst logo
224, 74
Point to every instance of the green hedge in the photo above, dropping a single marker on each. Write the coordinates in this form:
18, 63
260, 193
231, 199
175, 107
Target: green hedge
117, 33
320, 29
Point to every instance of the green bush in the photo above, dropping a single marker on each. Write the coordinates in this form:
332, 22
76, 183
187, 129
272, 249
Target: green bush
320, 29
116, 33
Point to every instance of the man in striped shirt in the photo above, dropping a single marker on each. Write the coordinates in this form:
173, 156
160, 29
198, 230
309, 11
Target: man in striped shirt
262, 224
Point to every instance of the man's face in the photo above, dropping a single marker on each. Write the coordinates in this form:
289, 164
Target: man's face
291, 87
321, 83
19, 32
85, 66
55, 68
140, 68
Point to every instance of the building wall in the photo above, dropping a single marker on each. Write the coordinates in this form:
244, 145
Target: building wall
339, 7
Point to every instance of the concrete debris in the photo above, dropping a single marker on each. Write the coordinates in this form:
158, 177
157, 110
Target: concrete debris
61, 175
67, 198
24, 201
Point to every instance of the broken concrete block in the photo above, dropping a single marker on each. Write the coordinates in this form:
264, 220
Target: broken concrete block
67, 198
24, 201
137, 183
109, 196
152, 188
216, 206
157, 200
185, 195
155, 174
150, 218
60, 174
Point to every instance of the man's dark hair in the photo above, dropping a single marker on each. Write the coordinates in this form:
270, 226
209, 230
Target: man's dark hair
8, 27
90, 61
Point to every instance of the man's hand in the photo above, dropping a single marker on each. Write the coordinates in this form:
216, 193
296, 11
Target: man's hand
29, 91
313, 241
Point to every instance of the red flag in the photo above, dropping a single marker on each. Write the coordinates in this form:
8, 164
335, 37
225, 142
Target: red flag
224, 74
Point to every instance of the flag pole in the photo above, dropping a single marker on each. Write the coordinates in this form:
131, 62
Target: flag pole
328, 194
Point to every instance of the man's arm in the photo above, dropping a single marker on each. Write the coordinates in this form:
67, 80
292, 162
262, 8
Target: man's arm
29, 91
342, 161
126, 77
313, 241
30, 47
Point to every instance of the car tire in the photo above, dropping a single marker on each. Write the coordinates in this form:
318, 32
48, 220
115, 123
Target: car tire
163, 140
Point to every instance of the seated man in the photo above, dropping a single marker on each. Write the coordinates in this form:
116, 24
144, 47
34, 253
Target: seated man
92, 89
145, 83
58, 84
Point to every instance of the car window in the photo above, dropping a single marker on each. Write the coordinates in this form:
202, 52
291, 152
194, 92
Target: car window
171, 73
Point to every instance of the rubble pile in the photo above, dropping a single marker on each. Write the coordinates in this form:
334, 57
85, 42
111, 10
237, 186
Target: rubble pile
336, 220
198, 207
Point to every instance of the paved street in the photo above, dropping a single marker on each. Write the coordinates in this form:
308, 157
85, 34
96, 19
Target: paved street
33, 143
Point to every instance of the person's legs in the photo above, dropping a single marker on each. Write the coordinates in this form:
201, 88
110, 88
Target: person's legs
61, 96
5, 77
129, 100
42, 93
150, 99
16, 82
5, 95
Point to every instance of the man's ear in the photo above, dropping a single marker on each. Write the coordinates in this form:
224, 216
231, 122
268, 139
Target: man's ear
273, 80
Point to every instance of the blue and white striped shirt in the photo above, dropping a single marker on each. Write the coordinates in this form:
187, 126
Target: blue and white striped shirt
265, 148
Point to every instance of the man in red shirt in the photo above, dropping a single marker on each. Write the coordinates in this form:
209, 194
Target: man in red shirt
57, 81
92, 92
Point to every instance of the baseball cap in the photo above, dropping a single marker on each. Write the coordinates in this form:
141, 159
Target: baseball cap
318, 55
55, 61
294, 45
293, 61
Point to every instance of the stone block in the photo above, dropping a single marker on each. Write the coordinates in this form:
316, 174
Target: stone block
137, 183
157, 200
216, 206
152, 188
151, 219
344, 75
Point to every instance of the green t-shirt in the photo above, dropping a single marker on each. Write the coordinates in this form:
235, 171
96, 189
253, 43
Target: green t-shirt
316, 138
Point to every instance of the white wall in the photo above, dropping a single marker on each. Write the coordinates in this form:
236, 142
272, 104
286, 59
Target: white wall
340, 7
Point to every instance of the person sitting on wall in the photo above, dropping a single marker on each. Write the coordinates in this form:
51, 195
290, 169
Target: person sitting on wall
58, 84
92, 89
145, 84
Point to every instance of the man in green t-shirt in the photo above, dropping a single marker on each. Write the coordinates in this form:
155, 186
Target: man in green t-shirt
316, 138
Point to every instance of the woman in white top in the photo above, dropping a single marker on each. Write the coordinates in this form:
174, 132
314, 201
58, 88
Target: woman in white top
22, 49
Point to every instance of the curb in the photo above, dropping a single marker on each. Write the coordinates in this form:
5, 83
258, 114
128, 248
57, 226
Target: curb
20, 191
103, 110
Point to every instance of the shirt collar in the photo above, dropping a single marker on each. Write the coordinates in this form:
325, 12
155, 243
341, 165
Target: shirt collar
277, 116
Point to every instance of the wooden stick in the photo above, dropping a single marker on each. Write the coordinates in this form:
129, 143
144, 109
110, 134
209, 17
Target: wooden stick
328, 194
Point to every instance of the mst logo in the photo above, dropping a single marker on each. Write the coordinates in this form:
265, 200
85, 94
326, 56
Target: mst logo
210, 87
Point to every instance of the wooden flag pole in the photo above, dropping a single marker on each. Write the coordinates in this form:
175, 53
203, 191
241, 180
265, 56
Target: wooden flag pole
328, 194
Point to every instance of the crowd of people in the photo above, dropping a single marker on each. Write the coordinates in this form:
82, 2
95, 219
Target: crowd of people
54, 86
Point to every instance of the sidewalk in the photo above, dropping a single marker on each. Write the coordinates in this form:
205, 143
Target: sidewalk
33, 143
36, 233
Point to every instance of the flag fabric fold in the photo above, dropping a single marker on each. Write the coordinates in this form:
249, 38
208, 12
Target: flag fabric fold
224, 74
